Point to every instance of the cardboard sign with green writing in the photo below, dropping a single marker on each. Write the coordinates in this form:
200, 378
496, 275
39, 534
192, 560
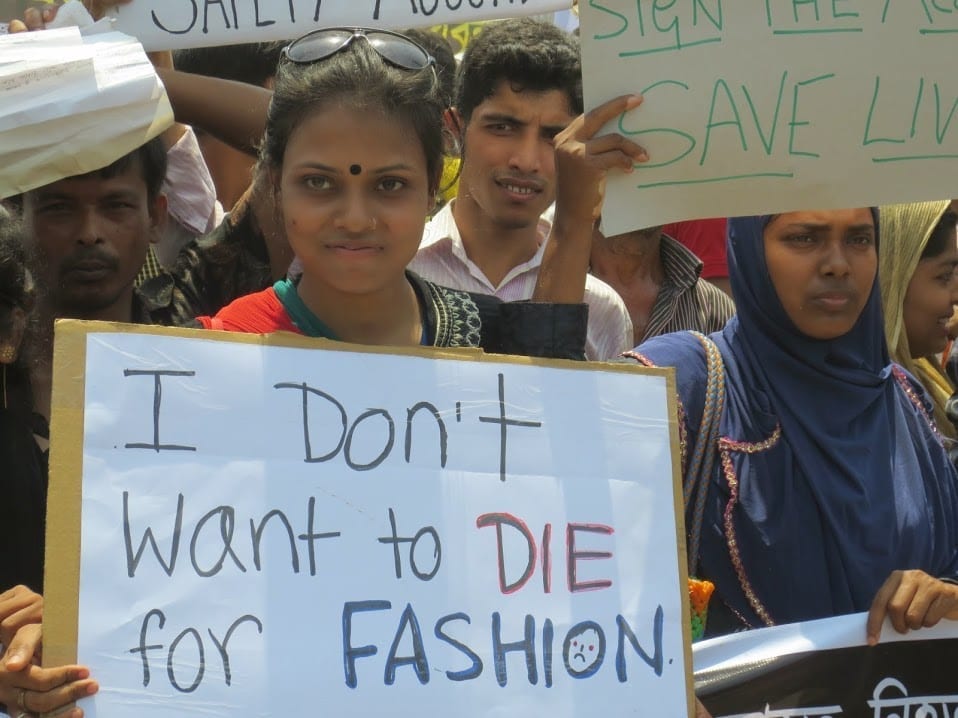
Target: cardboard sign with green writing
775, 105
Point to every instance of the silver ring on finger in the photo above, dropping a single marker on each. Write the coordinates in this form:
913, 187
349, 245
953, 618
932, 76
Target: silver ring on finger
22, 704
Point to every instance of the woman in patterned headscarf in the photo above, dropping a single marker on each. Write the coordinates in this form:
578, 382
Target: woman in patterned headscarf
919, 289
821, 487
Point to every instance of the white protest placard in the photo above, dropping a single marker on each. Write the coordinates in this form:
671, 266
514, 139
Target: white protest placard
273, 528
824, 668
173, 24
756, 107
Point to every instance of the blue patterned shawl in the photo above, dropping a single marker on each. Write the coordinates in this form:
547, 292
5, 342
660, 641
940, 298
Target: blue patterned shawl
858, 485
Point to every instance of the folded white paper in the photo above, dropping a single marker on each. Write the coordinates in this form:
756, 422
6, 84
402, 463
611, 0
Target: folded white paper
73, 104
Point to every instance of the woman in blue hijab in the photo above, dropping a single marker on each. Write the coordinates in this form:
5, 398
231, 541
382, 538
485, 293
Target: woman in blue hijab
825, 488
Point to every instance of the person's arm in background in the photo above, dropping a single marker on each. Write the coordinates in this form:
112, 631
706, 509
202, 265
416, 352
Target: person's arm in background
237, 116
164, 61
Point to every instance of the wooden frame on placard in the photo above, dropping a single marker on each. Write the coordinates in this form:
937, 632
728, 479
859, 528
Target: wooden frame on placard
62, 569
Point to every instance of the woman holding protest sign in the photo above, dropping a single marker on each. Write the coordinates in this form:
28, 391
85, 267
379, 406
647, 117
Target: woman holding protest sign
25, 688
919, 291
23, 472
354, 152
354, 146
818, 484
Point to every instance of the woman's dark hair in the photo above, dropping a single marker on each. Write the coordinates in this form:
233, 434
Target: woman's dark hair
941, 236
439, 47
253, 63
358, 76
16, 284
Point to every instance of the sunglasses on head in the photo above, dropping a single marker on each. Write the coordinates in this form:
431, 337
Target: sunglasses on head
392, 47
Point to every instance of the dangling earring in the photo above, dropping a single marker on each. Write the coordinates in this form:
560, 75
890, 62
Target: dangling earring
7, 355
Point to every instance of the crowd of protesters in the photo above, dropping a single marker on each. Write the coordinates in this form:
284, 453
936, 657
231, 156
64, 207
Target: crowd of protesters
365, 186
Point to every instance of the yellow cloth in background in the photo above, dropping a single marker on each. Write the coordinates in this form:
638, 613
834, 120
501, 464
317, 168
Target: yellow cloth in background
449, 184
904, 232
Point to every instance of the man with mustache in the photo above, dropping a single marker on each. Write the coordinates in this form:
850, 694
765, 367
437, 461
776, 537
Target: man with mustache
518, 86
89, 236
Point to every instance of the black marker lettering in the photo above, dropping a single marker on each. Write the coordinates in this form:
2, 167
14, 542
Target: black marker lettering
443, 434
143, 648
311, 536
257, 534
387, 447
227, 516
395, 539
350, 652
573, 556
498, 520
417, 660
475, 670
206, 14
264, 23
157, 399
307, 390
156, 21
625, 632
222, 647
133, 559
547, 634
527, 645
200, 663
504, 423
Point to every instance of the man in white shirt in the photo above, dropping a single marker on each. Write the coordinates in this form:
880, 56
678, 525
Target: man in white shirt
518, 86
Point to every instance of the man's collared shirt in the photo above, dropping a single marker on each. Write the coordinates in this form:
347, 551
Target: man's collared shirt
442, 259
191, 198
686, 302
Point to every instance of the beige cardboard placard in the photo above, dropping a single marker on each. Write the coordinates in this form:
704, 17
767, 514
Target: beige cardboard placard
775, 105
270, 523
